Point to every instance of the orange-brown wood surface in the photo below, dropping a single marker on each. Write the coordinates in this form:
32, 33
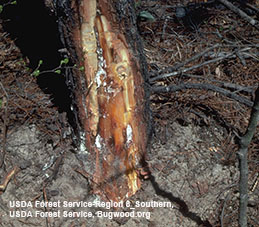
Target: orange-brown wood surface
111, 105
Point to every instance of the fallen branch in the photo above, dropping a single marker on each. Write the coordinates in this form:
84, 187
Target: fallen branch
238, 54
243, 166
8, 178
237, 87
219, 56
228, 55
252, 7
240, 13
187, 69
196, 56
173, 88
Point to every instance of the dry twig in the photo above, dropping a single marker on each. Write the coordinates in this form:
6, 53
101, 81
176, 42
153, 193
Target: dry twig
240, 13
242, 154
196, 56
252, 7
173, 88
237, 87
8, 178
227, 55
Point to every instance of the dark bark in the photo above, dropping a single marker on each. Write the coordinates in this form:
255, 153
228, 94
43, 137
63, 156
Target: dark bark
109, 94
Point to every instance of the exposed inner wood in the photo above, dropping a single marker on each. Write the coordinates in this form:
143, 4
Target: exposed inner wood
112, 110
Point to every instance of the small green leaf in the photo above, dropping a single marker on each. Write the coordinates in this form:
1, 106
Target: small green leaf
147, 15
1, 103
58, 71
1, 8
65, 61
14, 2
82, 68
40, 62
36, 72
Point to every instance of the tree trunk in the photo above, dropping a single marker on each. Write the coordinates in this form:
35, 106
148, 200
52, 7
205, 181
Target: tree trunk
108, 90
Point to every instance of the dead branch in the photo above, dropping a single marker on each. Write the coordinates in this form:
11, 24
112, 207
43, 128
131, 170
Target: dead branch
237, 87
243, 166
187, 69
174, 88
240, 13
252, 7
238, 54
196, 56
228, 55
8, 178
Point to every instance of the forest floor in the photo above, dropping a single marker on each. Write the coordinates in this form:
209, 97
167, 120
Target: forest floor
192, 155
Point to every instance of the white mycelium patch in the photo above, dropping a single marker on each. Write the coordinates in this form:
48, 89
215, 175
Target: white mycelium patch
101, 66
100, 72
129, 134
98, 140
82, 147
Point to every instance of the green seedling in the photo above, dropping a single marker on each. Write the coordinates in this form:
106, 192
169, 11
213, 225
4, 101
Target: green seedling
147, 15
